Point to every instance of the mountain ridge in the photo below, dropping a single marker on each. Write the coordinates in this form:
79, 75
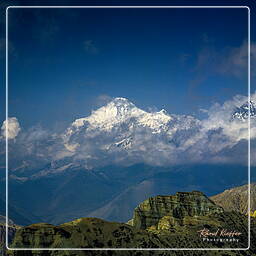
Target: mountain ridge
177, 228
236, 199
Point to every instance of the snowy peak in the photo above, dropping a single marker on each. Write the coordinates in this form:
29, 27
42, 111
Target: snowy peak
115, 126
119, 101
157, 121
118, 111
242, 112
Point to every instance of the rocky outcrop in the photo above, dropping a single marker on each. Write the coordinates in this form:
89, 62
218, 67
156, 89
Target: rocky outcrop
11, 232
83, 233
159, 222
236, 199
12, 228
97, 233
174, 210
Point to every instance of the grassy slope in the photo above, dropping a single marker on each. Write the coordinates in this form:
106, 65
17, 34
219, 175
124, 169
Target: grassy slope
97, 233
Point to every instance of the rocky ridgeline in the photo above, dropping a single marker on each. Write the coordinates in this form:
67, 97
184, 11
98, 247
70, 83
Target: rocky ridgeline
159, 222
12, 228
11, 232
163, 212
236, 199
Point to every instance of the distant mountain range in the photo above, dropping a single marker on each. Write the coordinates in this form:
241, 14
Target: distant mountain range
128, 134
111, 192
122, 134
103, 165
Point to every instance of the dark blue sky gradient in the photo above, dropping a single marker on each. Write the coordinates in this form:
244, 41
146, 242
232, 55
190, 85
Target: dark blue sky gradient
62, 60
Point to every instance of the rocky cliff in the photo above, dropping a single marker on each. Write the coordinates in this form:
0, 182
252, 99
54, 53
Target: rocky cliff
97, 233
179, 209
159, 222
83, 233
11, 232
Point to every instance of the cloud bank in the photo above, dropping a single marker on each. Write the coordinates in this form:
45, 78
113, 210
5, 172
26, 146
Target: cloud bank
119, 133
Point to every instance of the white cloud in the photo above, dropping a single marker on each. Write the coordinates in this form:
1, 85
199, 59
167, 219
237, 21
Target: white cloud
103, 99
13, 128
184, 139
236, 61
229, 61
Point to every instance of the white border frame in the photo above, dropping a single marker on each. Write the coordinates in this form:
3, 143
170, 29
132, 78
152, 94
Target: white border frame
131, 249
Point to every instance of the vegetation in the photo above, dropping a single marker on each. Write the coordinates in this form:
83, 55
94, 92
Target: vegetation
159, 222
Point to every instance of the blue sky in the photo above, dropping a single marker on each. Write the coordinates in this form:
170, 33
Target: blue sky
63, 63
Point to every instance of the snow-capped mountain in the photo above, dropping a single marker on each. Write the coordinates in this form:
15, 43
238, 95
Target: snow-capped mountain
118, 111
121, 151
120, 133
242, 112
120, 124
